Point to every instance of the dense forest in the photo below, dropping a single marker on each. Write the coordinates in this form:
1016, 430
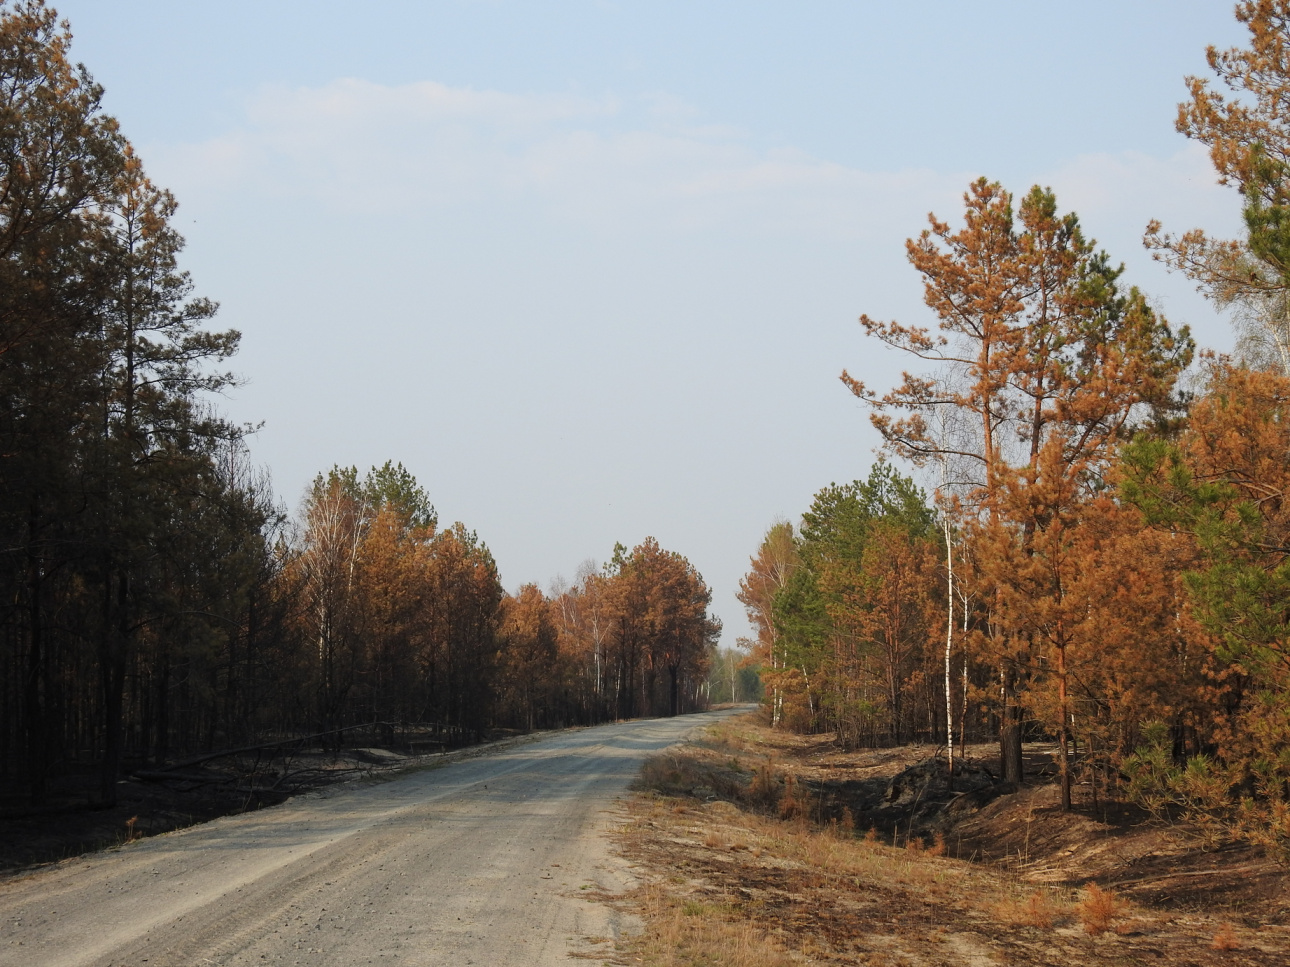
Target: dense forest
1104, 561
157, 600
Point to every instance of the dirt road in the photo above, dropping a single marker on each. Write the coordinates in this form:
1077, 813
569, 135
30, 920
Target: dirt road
487, 861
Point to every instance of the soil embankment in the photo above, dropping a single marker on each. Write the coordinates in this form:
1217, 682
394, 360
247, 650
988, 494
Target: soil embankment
760, 848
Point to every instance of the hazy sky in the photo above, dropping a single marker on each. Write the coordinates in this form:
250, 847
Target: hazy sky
590, 270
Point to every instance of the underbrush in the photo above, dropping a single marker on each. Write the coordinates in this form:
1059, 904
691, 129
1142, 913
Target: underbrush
732, 763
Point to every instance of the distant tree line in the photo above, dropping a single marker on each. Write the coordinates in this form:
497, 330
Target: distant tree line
155, 600
392, 619
845, 609
1108, 562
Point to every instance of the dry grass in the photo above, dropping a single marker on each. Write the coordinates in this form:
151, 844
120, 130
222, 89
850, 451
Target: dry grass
684, 933
731, 884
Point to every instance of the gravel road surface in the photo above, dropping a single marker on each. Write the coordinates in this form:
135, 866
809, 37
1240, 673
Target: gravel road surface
489, 861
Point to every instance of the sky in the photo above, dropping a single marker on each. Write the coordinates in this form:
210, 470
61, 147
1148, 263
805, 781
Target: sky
590, 269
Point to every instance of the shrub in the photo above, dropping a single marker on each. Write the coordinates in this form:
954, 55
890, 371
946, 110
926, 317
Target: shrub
789, 806
1038, 910
1225, 939
1099, 909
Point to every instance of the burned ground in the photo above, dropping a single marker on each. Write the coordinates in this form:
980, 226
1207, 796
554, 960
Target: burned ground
758, 847
152, 800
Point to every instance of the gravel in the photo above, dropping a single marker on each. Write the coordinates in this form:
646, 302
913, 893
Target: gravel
492, 860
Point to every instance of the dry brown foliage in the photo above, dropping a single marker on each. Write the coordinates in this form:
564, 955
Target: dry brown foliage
938, 845
848, 823
1039, 910
1225, 939
790, 805
1036, 909
1099, 909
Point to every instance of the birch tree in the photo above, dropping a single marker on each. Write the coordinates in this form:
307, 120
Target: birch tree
1054, 363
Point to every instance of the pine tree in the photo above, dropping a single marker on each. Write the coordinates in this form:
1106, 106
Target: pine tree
1040, 348
1249, 144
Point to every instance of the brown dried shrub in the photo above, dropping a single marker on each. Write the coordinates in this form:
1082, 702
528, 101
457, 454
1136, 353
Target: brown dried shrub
763, 789
1099, 909
1225, 939
1038, 911
848, 823
790, 807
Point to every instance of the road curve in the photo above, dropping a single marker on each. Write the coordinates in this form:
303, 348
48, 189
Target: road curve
487, 861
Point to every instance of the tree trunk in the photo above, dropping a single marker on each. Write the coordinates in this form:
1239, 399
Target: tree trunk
34, 697
949, 648
1064, 732
1010, 730
112, 682
162, 749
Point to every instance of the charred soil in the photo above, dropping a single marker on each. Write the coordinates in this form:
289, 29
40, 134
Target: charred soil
757, 847
151, 801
